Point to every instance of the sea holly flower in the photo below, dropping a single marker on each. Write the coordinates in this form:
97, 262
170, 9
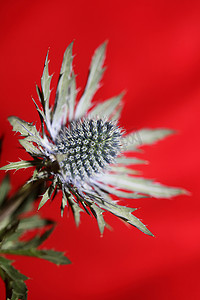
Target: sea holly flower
81, 148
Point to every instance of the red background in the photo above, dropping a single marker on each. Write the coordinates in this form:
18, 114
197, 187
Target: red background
153, 53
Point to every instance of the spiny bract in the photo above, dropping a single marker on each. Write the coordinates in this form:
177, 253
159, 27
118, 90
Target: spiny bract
81, 150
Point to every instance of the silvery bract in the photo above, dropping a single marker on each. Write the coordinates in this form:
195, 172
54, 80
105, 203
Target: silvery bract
81, 149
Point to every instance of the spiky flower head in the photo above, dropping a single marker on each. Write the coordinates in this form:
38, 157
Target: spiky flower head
87, 148
81, 149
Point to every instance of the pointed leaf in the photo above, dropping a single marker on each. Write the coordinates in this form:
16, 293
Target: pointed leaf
47, 195
55, 257
95, 75
22, 164
40, 112
45, 85
30, 148
118, 193
142, 185
40, 97
61, 112
14, 274
76, 209
98, 213
63, 204
64, 91
125, 213
144, 137
41, 115
25, 128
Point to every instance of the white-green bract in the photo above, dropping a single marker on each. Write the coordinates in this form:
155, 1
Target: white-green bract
81, 149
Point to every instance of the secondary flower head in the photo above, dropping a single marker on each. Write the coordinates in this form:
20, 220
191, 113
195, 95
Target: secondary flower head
81, 148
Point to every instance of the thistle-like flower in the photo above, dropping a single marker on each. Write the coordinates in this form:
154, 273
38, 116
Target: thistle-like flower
81, 149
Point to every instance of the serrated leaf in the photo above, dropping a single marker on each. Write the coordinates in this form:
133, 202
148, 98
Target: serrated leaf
103, 196
125, 213
4, 188
95, 75
30, 148
14, 274
40, 96
106, 108
64, 91
40, 113
45, 85
122, 212
22, 164
47, 195
68, 108
25, 128
98, 213
142, 185
28, 130
144, 137
119, 193
76, 209
65, 107
55, 257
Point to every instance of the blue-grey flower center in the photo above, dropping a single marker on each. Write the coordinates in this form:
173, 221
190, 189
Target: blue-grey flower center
88, 146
